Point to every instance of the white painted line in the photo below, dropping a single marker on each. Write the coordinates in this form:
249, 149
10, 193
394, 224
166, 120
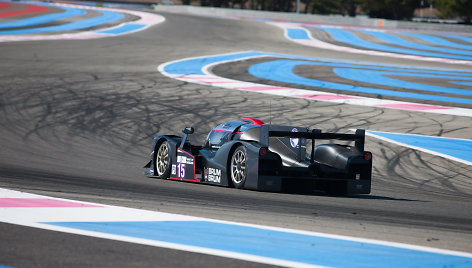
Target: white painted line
181, 247
419, 148
35, 217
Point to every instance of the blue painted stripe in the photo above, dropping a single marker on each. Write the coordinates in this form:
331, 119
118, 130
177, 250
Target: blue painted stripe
190, 66
462, 83
128, 27
349, 38
457, 148
297, 34
395, 40
282, 71
106, 17
385, 67
437, 40
308, 249
381, 78
195, 66
69, 12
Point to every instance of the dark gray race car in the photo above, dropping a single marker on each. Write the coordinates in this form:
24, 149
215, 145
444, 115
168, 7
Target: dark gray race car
252, 155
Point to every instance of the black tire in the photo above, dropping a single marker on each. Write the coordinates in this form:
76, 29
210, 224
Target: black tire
162, 161
238, 167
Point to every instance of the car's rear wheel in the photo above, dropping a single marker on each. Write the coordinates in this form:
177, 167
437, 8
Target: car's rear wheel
162, 161
238, 167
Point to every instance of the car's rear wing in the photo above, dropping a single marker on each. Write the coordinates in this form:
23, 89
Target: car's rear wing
315, 134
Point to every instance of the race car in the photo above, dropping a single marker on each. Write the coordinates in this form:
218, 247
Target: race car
249, 154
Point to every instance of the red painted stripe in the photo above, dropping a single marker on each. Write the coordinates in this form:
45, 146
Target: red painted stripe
180, 179
186, 153
254, 121
4, 5
29, 9
221, 130
39, 203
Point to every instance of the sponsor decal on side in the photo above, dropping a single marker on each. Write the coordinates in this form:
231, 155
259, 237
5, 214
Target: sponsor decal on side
184, 160
294, 141
213, 175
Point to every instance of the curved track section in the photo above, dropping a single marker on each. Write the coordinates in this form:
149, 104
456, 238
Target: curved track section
77, 118
389, 80
378, 43
53, 21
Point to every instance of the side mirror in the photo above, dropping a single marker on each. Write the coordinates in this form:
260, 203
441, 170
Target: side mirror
187, 130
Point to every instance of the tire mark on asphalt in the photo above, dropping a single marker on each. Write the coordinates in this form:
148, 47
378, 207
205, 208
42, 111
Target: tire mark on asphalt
118, 109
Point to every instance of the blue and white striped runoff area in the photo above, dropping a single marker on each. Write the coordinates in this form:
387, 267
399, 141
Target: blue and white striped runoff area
256, 243
75, 21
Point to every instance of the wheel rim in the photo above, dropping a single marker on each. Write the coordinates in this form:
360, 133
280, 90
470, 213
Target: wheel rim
238, 167
162, 159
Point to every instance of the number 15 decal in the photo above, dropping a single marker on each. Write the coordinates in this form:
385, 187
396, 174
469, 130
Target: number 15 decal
184, 168
180, 170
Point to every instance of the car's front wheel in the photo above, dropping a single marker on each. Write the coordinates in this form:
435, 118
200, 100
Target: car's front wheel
238, 167
162, 161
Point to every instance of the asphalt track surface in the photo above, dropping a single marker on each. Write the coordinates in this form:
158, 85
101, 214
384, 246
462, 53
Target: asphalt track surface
77, 118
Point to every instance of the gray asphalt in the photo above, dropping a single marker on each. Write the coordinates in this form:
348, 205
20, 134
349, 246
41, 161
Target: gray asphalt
77, 118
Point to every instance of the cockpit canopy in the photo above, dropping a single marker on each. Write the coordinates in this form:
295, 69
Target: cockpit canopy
232, 130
